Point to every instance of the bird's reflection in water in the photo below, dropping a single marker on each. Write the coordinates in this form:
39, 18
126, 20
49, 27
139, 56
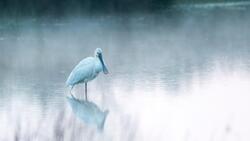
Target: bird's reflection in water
88, 111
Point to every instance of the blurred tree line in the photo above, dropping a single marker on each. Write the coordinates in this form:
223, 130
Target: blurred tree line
61, 7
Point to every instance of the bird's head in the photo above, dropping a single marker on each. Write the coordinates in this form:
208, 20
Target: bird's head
98, 54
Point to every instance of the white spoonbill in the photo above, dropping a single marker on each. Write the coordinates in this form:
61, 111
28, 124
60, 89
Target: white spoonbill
86, 70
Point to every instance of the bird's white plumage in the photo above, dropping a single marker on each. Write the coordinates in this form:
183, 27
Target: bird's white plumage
84, 71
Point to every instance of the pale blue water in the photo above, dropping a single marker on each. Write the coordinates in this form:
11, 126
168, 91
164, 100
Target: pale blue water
179, 75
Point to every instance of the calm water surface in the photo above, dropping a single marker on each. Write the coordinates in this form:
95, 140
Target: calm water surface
177, 76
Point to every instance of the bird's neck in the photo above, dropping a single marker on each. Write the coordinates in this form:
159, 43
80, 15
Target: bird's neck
98, 66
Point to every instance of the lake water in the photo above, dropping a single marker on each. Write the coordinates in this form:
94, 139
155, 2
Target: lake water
180, 75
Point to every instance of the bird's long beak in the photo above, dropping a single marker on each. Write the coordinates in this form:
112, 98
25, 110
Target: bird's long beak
105, 70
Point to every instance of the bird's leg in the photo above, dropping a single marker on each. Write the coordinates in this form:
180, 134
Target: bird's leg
86, 95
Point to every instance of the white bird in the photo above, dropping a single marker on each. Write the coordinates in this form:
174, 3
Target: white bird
87, 70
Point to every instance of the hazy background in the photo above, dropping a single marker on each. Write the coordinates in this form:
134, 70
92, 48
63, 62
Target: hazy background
177, 73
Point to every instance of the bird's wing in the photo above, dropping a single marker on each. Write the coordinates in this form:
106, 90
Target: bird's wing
81, 71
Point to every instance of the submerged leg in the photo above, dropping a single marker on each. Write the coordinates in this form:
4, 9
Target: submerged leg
86, 95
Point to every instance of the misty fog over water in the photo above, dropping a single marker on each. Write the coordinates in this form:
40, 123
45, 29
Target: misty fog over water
179, 74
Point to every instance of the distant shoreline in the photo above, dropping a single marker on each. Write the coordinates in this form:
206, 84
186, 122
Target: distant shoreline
86, 7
